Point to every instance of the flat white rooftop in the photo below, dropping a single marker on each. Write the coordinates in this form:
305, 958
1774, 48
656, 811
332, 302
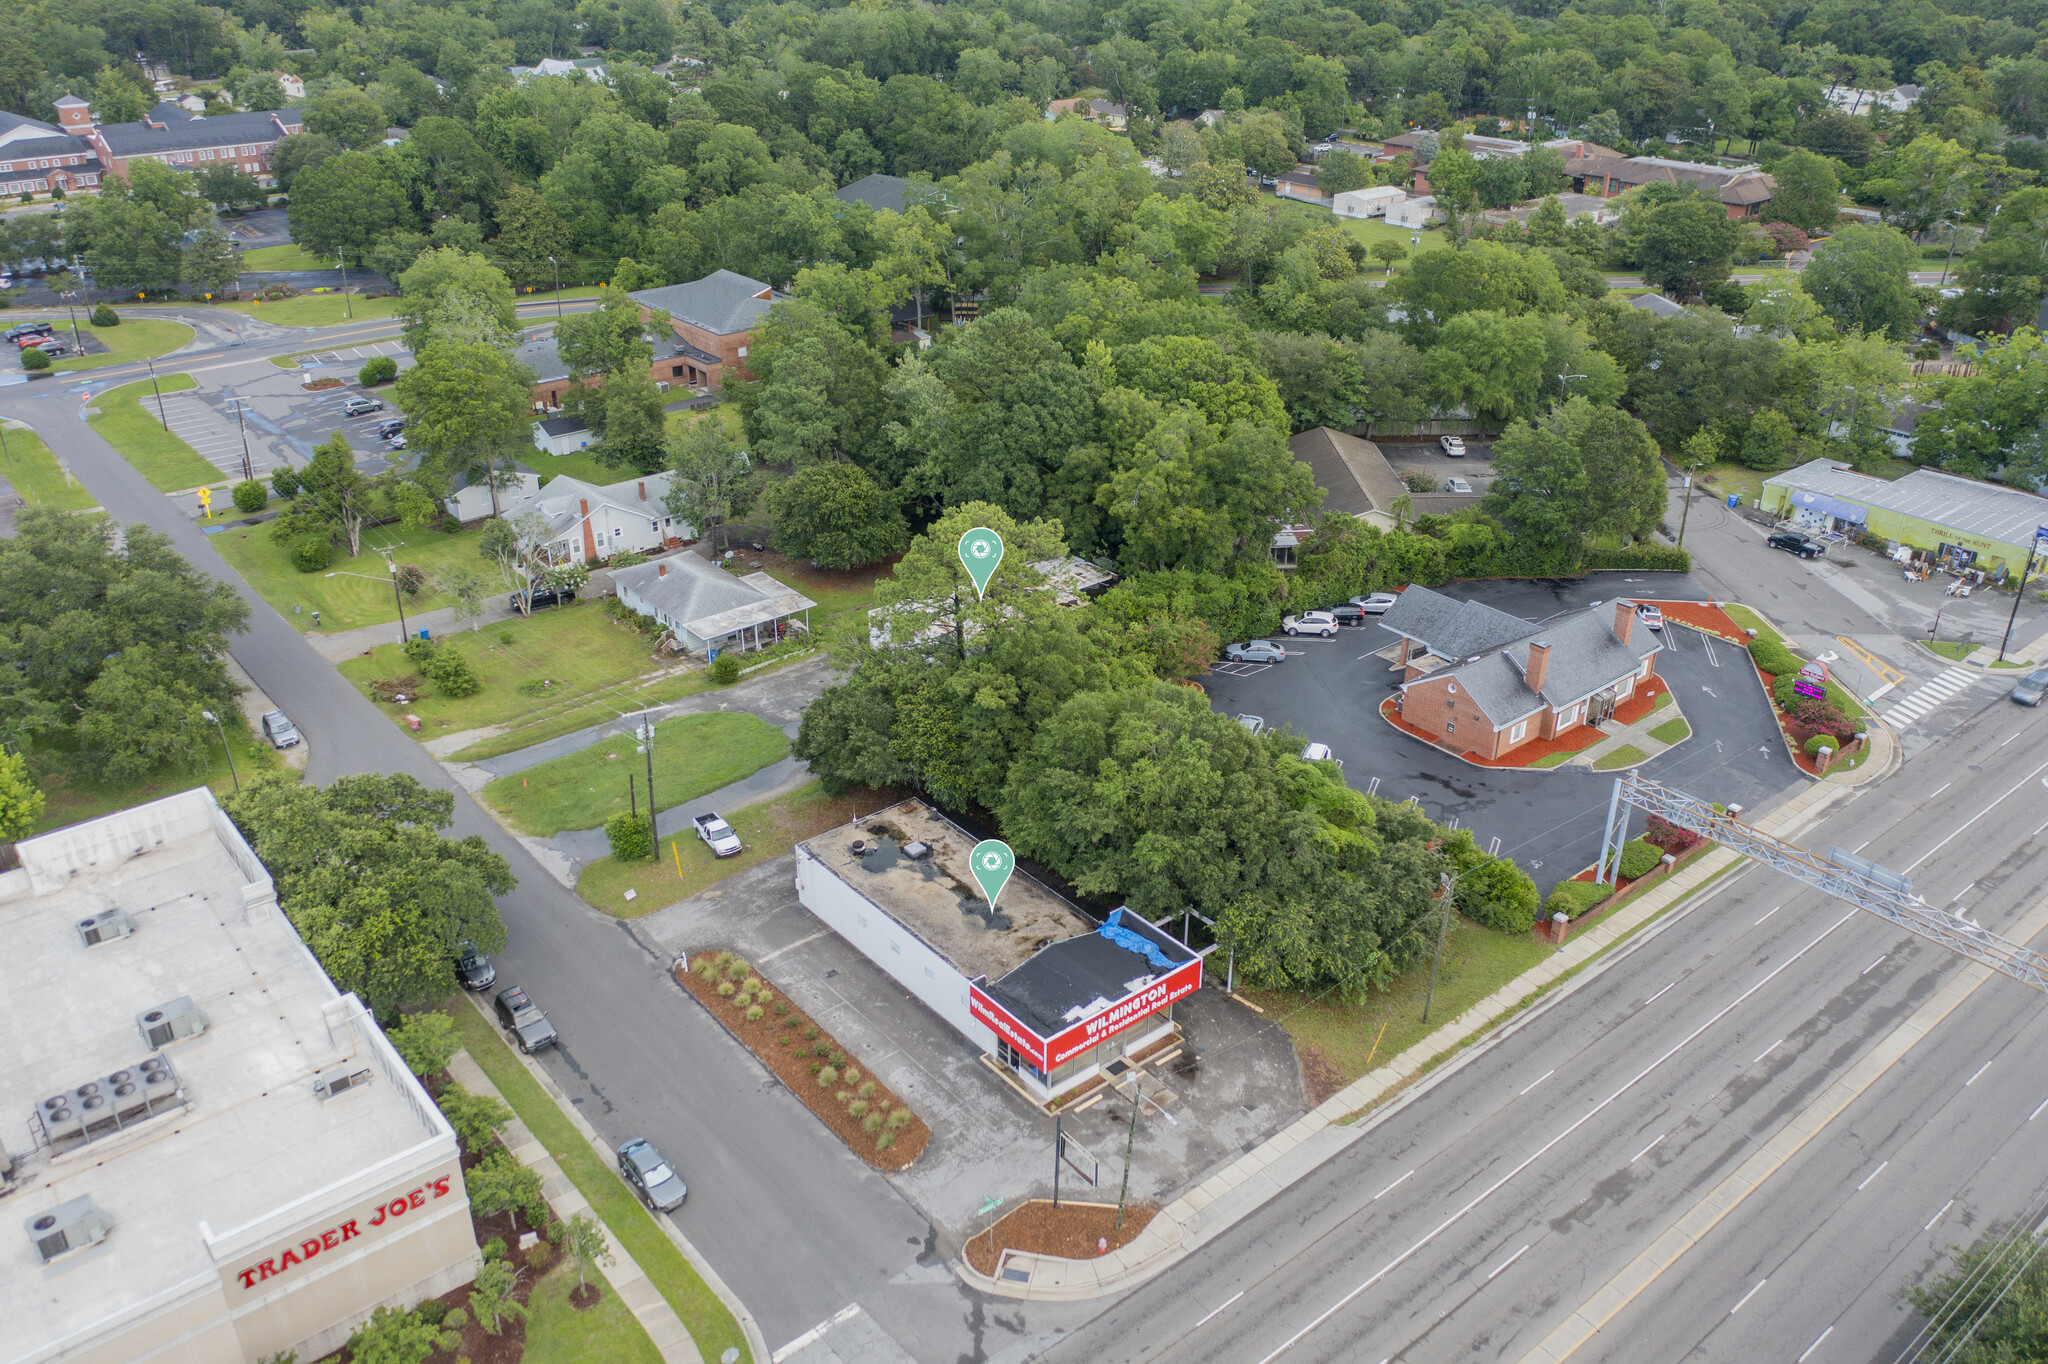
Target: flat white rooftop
252, 1147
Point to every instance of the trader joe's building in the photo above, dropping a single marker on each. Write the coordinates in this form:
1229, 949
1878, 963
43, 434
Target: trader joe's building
1044, 992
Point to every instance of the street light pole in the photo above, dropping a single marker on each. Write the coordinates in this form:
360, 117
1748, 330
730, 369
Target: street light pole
76, 346
1955, 214
158, 391
248, 470
347, 306
2019, 591
653, 810
225, 749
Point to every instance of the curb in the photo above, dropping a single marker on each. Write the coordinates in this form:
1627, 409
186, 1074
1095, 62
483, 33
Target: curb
757, 1344
1206, 1209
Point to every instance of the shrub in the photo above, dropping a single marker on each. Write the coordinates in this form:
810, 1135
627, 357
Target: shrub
425, 1042
1811, 716
448, 1341
1499, 894
557, 1230
885, 1141
539, 1256
457, 1318
476, 1118
725, 669
1773, 657
867, 1089
1639, 858
451, 673
852, 1076
411, 578
1821, 743
627, 560
1672, 838
250, 495
632, 840
810, 1034
35, 358
735, 969
754, 1014
284, 481
858, 1108
494, 1249
899, 1120
1573, 898
827, 1077
312, 553
871, 1123
1654, 558
378, 369
433, 1311
105, 316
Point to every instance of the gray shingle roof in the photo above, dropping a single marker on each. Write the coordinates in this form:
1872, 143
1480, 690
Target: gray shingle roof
1496, 687
1353, 473
721, 303
2006, 515
876, 191
1451, 628
14, 125
686, 589
541, 356
1585, 657
1658, 304
62, 144
222, 130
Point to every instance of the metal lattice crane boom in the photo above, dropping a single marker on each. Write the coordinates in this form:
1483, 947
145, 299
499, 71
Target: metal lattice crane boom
1860, 883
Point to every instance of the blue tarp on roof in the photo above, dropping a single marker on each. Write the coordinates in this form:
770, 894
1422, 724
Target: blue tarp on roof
1134, 942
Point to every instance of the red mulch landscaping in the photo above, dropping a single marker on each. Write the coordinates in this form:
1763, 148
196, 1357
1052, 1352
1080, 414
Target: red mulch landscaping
1076, 1231
1701, 616
1575, 740
791, 1044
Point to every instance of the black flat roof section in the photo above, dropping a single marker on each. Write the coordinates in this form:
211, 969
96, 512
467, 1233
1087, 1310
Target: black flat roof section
1070, 975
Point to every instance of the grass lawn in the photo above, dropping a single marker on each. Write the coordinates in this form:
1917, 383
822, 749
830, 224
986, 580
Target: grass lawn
541, 296
729, 413
34, 473
1949, 648
693, 755
557, 1333
1553, 760
167, 462
1672, 731
1329, 1032
1726, 478
1750, 620
345, 602
577, 651
133, 339
768, 830
705, 1317
1369, 231
1628, 755
576, 711
319, 310
290, 256
66, 802
579, 464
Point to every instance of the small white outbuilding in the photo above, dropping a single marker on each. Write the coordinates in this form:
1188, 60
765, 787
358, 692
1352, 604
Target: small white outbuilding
1371, 202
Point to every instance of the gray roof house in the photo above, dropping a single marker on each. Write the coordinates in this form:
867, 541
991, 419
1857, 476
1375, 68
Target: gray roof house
1449, 630
586, 522
720, 303
1658, 304
706, 608
1353, 474
876, 191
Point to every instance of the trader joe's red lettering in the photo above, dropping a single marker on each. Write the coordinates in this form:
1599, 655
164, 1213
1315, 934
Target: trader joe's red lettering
343, 1232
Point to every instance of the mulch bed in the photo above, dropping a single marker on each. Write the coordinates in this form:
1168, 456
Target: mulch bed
317, 385
1574, 740
1076, 1231
791, 1044
1701, 616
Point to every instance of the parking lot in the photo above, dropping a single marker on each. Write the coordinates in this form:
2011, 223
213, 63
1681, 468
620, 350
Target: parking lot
287, 422
1549, 821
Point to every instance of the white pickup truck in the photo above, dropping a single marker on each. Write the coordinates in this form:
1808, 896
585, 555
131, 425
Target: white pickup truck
718, 835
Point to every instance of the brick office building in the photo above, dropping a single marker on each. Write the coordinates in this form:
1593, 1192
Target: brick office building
713, 319
36, 158
1484, 682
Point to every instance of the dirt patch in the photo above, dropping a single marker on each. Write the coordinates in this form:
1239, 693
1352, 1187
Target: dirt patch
585, 1296
1319, 1077
1073, 1231
858, 1108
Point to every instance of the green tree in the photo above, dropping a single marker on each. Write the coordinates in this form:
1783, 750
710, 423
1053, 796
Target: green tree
348, 116
1924, 182
1687, 243
1341, 170
1977, 423
213, 263
490, 1297
712, 478
21, 803
300, 152
468, 409
836, 516
426, 1042
392, 1336
1858, 380
476, 1118
1581, 471
1859, 277
117, 97
588, 1247
380, 897
1809, 192
1771, 443
532, 246
229, 187
456, 296
341, 205
1388, 254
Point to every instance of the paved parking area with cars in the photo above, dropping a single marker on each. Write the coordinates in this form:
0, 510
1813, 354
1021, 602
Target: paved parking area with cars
1329, 691
289, 423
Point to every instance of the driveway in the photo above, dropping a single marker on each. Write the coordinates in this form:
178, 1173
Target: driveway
1548, 821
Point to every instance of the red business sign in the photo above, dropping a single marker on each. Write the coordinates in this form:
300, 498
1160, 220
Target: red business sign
368, 1220
1046, 1053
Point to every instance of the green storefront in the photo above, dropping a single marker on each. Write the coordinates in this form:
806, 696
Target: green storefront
1960, 522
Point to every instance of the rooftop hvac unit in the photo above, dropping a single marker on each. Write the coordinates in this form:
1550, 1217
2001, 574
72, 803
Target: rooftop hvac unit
105, 927
100, 1108
167, 1023
69, 1226
330, 1083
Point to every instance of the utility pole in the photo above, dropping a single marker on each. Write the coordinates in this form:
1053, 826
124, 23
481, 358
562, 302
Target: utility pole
558, 287
2019, 591
1442, 931
225, 749
653, 810
347, 306
1059, 1149
248, 470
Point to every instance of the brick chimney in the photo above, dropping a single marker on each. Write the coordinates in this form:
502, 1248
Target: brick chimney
1538, 665
1624, 620
643, 490
661, 570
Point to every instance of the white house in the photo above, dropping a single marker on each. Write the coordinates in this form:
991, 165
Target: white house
1414, 214
586, 522
1853, 102
1370, 202
706, 608
472, 501
562, 436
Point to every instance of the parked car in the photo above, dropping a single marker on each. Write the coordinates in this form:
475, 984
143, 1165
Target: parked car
1792, 542
717, 835
1310, 623
395, 442
1454, 446
1349, 613
1320, 753
473, 968
1255, 723
2031, 688
521, 1017
29, 329
651, 1177
1377, 604
1650, 616
390, 427
1257, 651
1457, 485
361, 407
278, 728
545, 596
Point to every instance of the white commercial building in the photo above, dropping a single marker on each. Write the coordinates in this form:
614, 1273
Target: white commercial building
1371, 202
1047, 996
211, 1153
1413, 213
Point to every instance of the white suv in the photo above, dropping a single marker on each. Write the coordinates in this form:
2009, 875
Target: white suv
1311, 623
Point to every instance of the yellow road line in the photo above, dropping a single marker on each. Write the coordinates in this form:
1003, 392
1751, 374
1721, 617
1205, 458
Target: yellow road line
1877, 665
1618, 1292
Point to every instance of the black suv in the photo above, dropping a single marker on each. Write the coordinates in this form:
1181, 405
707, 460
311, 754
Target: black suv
474, 969
545, 596
1348, 613
521, 1017
1792, 542
30, 329
390, 427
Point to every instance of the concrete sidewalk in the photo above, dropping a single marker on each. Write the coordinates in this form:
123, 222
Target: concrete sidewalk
1210, 1207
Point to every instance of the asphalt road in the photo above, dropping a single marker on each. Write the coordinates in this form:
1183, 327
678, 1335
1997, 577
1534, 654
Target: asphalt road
1479, 1216
795, 1225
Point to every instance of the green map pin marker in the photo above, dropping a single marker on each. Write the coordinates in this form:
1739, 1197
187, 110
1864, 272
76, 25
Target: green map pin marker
981, 549
992, 861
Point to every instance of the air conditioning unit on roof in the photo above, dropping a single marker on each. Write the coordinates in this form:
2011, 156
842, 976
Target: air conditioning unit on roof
169, 1022
327, 1084
105, 926
69, 1226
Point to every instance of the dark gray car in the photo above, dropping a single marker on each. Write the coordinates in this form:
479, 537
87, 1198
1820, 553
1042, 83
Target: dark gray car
651, 1177
2031, 688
